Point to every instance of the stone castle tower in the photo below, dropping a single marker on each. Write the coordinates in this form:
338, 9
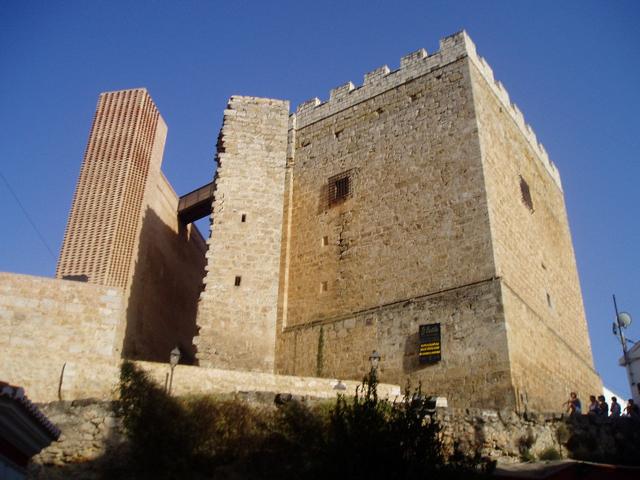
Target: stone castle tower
418, 198
418, 201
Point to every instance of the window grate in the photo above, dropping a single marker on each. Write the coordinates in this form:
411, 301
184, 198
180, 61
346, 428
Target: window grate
340, 187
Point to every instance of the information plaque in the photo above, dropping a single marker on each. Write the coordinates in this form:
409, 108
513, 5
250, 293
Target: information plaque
430, 343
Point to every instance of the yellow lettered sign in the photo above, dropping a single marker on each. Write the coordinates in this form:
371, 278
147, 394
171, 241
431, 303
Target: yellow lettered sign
430, 343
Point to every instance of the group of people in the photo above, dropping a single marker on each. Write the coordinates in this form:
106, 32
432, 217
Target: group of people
599, 407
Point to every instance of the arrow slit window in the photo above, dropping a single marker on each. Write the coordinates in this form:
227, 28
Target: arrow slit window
526, 194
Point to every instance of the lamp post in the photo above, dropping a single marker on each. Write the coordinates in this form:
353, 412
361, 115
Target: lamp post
374, 360
372, 381
174, 358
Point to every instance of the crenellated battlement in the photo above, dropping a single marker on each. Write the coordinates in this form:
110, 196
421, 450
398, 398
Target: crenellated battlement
415, 64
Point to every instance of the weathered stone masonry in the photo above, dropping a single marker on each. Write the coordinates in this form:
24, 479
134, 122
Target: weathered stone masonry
434, 228
237, 309
416, 225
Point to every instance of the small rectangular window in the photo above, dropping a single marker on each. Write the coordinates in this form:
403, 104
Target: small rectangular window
323, 286
238, 280
325, 241
243, 218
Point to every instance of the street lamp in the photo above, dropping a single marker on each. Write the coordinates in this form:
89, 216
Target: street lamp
372, 380
374, 360
174, 358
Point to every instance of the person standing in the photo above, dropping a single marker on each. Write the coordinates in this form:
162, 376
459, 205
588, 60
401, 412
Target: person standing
593, 405
603, 408
631, 410
614, 408
574, 407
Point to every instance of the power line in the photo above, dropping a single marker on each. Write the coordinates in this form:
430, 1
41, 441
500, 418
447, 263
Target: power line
28, 217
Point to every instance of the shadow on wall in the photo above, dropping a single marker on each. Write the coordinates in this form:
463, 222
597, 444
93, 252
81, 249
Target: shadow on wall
410, 363
166, 286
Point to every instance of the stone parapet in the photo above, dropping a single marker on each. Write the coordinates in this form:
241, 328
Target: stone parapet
413, 65
188, 380
99, 380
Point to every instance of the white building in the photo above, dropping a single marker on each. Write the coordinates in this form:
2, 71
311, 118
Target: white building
632, 364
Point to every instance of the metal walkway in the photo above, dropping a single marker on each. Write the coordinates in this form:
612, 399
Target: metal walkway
196, 204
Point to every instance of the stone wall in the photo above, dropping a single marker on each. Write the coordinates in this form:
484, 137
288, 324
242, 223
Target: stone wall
91, 433
416, 221
474, 370
93, 440
549, 345
410, 245
167, 280
506, 436
237, 309
79, 370
50, 329
188, 380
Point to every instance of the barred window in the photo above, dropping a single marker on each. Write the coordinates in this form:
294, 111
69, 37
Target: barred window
340, 187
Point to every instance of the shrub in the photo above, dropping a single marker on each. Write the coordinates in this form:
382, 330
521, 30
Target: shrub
157, 426
358, 437
369, 437
550, 453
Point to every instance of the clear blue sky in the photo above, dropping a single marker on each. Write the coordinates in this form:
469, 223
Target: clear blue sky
573, 68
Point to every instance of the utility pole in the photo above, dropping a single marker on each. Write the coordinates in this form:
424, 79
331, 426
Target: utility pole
623, 320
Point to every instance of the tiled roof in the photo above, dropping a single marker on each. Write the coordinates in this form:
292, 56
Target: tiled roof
17, 395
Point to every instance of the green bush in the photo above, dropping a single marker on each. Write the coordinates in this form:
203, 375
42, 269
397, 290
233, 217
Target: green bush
357, 437
550, 453
368, 436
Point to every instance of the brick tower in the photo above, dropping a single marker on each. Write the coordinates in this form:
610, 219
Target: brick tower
126, 142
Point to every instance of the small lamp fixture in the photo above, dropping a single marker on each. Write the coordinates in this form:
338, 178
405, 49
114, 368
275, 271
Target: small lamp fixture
174, 358
374, 359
